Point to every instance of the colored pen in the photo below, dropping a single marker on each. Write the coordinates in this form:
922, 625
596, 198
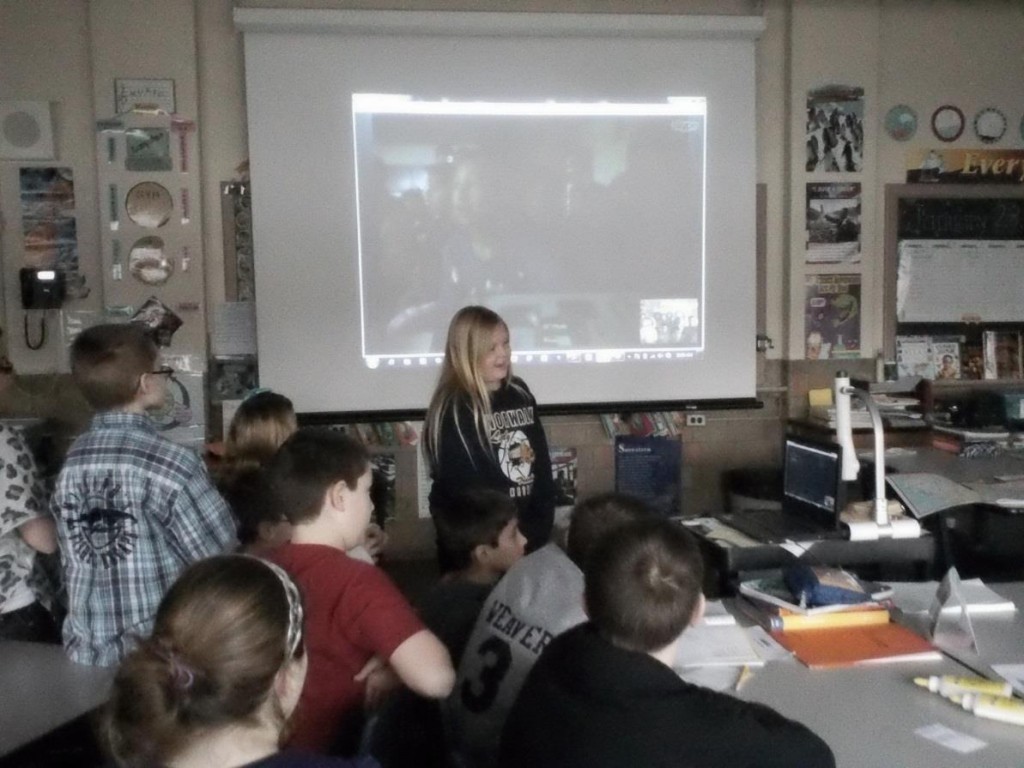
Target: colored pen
950, 685
993, 707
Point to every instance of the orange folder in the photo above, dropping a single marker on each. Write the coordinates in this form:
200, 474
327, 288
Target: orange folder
847, 646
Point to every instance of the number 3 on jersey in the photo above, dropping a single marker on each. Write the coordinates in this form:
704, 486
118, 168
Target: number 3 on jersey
496, 658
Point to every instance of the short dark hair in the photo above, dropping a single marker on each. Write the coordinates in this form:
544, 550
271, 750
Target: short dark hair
307, 464
472, 518
644, 583
108, 360
249, 495
597, 515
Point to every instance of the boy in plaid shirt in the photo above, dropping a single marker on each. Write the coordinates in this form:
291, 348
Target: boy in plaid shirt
132, 508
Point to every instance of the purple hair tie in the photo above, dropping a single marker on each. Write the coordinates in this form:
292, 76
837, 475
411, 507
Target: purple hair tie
181, 674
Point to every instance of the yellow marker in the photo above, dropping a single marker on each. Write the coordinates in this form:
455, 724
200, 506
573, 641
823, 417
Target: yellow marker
745, 676
950, 685
992, 707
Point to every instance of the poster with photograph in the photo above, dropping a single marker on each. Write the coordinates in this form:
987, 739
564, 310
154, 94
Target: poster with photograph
835, 129
832, 316
48, 227
833, 223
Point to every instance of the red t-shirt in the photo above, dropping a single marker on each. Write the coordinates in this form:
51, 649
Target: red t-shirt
352, 613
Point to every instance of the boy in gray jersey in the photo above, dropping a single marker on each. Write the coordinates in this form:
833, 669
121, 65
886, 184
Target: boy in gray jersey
540, 597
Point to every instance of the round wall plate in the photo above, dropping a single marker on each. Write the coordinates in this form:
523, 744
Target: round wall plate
947, 123
901, 122
149, 204
989, 125
148, 263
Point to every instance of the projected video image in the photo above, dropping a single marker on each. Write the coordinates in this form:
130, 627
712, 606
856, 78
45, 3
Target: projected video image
669, 323
564, 217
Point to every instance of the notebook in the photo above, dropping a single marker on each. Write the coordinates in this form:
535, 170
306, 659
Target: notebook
812, 497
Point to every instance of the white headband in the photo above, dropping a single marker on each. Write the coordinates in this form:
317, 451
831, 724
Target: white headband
291, 592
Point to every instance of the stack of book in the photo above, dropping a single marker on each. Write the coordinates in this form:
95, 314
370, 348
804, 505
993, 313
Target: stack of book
894, 409
957, 439
826, 414
837, 635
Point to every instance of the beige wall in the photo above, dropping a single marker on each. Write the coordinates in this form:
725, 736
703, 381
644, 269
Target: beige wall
920, 52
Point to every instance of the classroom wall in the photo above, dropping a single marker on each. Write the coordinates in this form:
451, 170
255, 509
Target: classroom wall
920, 52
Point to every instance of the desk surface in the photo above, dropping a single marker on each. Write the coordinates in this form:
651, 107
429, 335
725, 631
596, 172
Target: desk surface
868, 715
958, 468
732, 553
41, 690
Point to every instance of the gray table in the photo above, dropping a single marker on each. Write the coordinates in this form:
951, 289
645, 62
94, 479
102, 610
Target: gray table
868, 714
41, 690
981, 540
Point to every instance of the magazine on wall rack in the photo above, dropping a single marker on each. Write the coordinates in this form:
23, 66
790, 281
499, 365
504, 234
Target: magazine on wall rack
832, 316
833, 222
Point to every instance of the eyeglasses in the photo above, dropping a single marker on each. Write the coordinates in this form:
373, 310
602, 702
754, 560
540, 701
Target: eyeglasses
163, 370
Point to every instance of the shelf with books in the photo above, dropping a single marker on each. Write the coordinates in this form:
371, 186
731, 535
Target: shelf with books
953, 396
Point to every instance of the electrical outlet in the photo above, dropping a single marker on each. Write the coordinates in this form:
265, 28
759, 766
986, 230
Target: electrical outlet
696, 420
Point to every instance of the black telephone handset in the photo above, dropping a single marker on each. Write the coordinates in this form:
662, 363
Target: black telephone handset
42, 288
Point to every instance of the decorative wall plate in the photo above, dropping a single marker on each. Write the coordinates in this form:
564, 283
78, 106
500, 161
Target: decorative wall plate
148, 263
901, 122
947, 123
989, 125
149, 204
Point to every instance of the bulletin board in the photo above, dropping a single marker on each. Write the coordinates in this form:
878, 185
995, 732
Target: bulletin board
953, 254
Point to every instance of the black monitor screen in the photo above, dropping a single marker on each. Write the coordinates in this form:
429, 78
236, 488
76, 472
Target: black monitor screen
813, 474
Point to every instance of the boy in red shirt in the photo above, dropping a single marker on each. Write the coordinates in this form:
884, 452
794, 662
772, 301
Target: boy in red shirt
361, 633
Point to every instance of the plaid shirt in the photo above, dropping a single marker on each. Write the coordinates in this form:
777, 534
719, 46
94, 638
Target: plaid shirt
133, 510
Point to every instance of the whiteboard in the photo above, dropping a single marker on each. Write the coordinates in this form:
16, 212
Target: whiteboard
952, 281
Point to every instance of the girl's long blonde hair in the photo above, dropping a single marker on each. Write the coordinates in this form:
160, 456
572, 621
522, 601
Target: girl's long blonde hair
262, 422
469, 339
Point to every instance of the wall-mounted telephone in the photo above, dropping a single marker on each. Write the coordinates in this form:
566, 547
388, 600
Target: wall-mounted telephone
42, 288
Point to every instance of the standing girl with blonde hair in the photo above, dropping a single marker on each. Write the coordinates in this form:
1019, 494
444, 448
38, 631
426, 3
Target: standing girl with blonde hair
482, 429
215, 683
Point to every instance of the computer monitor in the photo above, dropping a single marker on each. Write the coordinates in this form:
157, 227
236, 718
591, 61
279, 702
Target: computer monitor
812, 480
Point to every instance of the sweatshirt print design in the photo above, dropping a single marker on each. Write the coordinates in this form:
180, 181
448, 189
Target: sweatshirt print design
514, 451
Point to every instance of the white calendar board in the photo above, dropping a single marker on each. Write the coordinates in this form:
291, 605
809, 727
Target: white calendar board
952, 281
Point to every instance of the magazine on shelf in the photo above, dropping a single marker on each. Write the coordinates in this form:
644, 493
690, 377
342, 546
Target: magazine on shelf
914, 357
1001, 352
946, 358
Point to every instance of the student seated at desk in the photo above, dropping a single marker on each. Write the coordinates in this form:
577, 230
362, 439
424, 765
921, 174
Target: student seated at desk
603, 695
363, 635
540, 597
480, 532
263, 421
215, 683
